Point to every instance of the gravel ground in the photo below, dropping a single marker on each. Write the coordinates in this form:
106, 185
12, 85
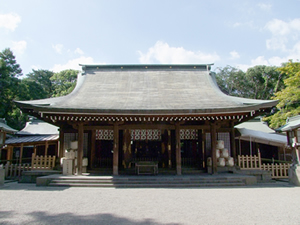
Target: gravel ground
28, 204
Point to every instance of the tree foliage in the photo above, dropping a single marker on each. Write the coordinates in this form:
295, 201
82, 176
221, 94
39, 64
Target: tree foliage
38, 84
231, 81
259, 82
43, 79
64, 82
9, 73
289, 97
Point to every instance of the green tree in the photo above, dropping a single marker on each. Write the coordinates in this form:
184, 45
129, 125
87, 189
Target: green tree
289, 97
64, 82
9, 73
42, 78
232, 81
30, 90
259, 82
264, 81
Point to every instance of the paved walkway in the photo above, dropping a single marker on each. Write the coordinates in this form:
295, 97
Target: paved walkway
28, 204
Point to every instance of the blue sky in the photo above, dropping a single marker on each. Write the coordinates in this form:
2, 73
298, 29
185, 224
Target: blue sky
60, 34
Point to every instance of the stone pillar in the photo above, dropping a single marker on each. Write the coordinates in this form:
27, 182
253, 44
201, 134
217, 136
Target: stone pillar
178, 149
213, 137
80, 148
116, 150
294, 171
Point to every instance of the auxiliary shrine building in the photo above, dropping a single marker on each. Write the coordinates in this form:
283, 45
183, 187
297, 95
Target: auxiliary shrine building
123, 114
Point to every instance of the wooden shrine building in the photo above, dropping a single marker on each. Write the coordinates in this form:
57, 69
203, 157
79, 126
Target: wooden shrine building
172, 114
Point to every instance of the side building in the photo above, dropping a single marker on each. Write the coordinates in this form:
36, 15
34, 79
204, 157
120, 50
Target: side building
122, 114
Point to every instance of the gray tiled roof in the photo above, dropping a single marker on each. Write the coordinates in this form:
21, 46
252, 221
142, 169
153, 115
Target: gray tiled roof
38, 127
147, 89
291, 124
30, 139
6, 128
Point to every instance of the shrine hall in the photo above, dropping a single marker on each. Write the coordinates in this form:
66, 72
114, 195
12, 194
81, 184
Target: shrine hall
124, 114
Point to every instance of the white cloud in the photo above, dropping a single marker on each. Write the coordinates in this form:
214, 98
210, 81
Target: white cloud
261, 60
162, 53
18, 47
285, 37
265, 7
10, 21
278, 27
58, 48
237, 24
73, 64
234, 55
78, 51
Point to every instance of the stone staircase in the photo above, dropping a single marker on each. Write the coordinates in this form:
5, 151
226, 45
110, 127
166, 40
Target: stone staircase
147, 181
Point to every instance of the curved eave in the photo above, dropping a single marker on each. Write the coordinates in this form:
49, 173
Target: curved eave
48, 109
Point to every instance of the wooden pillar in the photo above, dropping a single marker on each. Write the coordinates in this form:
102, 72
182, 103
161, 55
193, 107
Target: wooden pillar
34, 149
93, 150
9, 152
169, 150
232, 144
200, 147
21, 153
116, 150
178, 149
61, 149
80, 148
46, 148
213, 137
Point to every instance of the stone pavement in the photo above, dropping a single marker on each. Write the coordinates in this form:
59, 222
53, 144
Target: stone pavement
276, 203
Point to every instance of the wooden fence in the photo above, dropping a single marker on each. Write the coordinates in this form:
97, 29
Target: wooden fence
280, 170
249, 162
42, 162
14, 171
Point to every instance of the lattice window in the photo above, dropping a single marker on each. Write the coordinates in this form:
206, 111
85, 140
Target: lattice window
104, 135
146, 134
188, 134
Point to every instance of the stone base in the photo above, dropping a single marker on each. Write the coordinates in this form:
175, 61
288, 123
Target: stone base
222, 169
2, 177
294, 175
31, 176
261, 175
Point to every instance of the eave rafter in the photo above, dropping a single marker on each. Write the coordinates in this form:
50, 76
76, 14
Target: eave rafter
77, 118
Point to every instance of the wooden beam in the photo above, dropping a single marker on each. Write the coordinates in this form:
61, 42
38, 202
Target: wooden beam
178, 149
61, 150
232, 143
116, 150
93, 150
80, 148
21, 153
169, 149
46, 148
213, 137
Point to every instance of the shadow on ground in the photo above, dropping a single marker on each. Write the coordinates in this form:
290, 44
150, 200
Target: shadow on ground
43, 218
